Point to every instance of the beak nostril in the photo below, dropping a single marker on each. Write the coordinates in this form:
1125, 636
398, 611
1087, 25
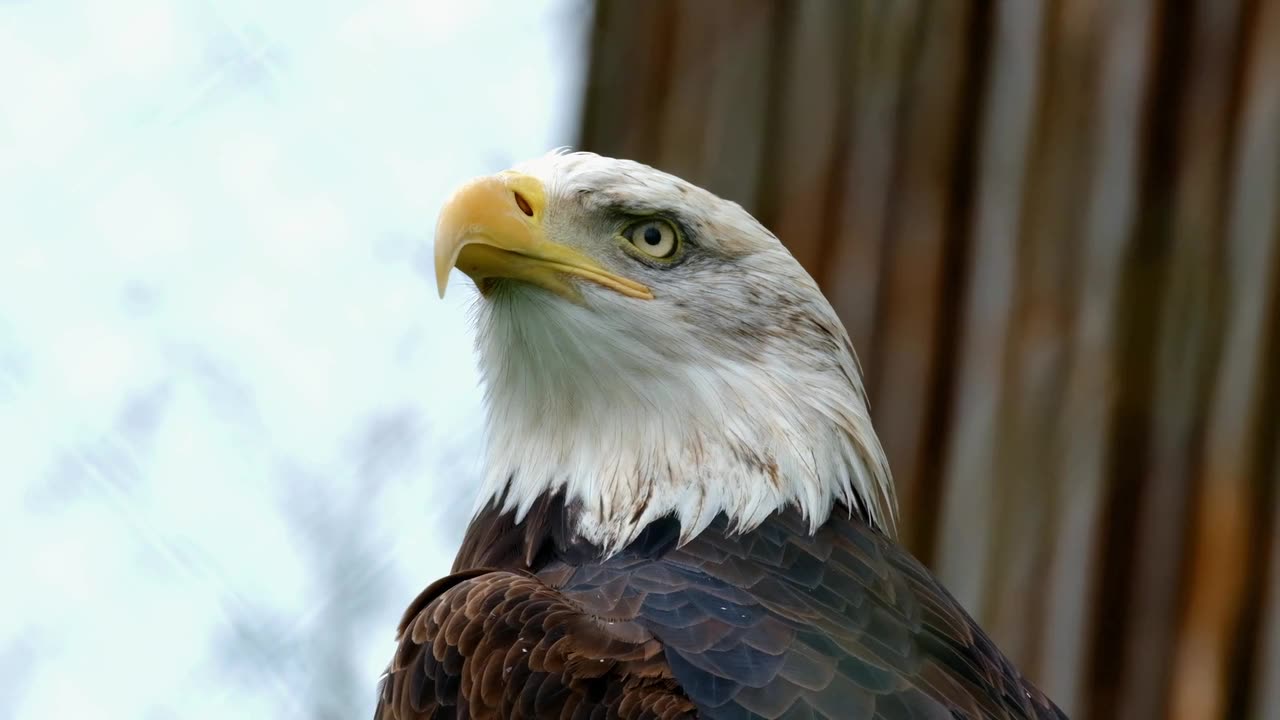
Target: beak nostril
523, 204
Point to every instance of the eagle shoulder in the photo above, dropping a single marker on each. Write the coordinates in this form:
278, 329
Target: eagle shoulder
488, 643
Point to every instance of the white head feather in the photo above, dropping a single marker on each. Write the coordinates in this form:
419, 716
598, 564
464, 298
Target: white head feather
734, 390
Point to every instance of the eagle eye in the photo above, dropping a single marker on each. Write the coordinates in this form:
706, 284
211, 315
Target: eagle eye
654, 237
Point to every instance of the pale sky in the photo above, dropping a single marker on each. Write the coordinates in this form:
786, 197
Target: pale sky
238, 429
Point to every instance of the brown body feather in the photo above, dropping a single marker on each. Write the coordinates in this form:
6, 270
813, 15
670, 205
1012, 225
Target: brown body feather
498, 644
772, 623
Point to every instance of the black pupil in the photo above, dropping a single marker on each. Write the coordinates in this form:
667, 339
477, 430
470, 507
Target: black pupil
652, 235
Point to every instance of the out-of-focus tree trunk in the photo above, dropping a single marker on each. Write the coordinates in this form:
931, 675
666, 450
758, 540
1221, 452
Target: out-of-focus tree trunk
1051, 228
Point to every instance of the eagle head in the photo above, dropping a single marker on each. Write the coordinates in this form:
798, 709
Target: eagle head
650, 350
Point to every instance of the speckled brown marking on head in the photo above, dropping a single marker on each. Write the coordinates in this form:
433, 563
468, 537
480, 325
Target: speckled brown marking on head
643, 504
771, 467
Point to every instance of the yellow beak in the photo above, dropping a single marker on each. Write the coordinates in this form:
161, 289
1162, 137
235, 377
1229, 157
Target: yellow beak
492, 228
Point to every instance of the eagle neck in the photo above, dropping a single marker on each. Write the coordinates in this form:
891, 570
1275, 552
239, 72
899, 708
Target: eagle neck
629, 430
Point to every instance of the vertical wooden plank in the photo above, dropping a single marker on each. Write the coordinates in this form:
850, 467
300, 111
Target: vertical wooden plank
1135, 338
1185, 236
712, 128
906, 347
802, 146
685, 87
966, 532
878, 63
734, 146
1090, 382
1201, 678
1264, 698
626, 84
681, 123
1028, 458
1265, 703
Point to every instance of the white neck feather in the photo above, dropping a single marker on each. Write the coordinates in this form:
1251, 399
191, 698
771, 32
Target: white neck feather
634, 436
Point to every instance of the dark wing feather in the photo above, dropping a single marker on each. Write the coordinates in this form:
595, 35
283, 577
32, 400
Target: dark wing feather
780, 623
499, 644
773, 623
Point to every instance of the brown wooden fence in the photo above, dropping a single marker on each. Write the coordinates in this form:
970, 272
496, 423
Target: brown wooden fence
1052, 228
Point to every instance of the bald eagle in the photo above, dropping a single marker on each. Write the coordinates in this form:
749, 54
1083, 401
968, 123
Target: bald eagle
685, 511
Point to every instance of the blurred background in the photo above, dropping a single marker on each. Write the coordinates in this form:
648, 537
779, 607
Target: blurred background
239, 432
238, 428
